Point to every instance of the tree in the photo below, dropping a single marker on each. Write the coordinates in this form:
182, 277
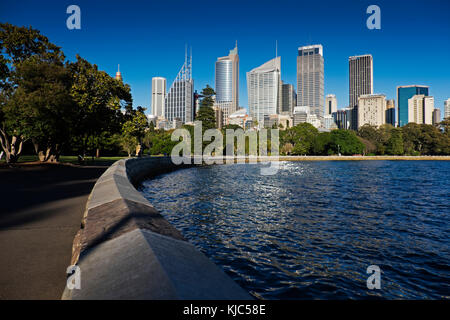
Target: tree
301, 136
346, 142
99, 99
322, 143
395, 142
206, 113
41, 108
17, 45
133, 131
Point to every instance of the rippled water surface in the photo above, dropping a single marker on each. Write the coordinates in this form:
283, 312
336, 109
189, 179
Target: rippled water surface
311, 230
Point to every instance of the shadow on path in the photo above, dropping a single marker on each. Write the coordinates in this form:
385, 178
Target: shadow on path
40, 212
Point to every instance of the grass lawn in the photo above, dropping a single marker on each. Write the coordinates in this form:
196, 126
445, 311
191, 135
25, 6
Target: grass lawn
72, 159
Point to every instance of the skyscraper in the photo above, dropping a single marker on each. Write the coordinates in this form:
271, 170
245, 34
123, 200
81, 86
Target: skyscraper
360, 77
310, 78
179, 101
447, 108
360, 83
227, 82
330, 104
404, 93
263, 86
288, 98
158, 96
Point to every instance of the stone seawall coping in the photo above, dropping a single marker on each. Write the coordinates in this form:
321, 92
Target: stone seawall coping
127, 250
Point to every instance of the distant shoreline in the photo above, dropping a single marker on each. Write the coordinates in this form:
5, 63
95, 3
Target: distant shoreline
360, 158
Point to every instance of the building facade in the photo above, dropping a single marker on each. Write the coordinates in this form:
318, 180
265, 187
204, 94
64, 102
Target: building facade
179, 101
420, 109
360, 77
310, 78
288, 98
447, 108
436, 116
227, 82
263, 86
330, 104
158, 96
404, 93
342, 118
390, 112
371, 110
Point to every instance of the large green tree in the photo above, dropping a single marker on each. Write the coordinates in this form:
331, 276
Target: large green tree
99, 99
21, 50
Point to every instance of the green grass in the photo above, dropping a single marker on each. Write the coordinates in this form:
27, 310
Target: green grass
71, 159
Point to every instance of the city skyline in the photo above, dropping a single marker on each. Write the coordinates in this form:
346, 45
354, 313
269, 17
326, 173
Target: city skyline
143, 53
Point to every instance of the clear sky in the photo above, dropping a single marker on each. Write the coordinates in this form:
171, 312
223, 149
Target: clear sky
148, 39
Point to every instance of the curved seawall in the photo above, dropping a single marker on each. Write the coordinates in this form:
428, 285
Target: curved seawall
127, 250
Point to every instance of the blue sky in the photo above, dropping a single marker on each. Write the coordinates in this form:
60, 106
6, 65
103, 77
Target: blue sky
148, 39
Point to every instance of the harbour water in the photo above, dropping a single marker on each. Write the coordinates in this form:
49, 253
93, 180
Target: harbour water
311, 230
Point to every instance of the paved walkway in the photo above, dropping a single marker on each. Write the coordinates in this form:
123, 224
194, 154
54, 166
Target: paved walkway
41, 207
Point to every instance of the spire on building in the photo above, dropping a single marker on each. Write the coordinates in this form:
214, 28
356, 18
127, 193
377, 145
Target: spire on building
118, 74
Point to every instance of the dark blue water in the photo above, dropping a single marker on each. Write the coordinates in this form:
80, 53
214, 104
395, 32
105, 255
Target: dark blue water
311, 230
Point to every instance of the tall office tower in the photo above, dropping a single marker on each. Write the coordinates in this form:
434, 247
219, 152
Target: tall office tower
263, 86
180, 99
227, 82
288, 98
158, 96
447, 108
118, 74
436, 116
390, 112
404, 93
420, 109
371, 110
330, 104
310, 78
360, 82
360, 77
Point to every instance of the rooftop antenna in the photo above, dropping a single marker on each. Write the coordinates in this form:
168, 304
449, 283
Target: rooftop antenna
190, 65
118, 67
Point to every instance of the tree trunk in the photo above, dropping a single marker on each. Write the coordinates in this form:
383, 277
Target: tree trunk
12, 149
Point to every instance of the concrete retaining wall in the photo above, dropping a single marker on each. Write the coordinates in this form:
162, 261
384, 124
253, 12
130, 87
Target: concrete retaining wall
127, 250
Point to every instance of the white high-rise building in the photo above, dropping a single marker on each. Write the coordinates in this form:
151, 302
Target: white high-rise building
310, 78
179, 103
227, 83
263, 86
330, 104
158, 96
447, 108
371, 110
420, 109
